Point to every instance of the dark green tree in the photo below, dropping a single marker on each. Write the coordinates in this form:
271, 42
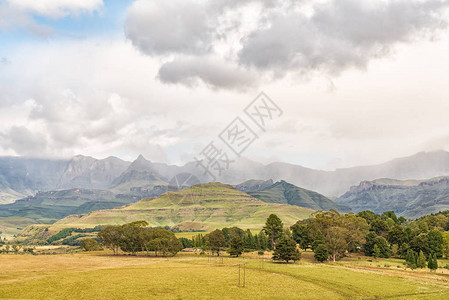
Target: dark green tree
396, 235
420, 243
235, 246
368, 247
273, 228
318, 240
382, 245
263, 240
432, 263
186, 243
435, 239
421, 262
249, 241
321, 254
286, 250
411, 259
301, 234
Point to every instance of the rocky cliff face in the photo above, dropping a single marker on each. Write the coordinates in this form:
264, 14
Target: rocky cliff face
407, 198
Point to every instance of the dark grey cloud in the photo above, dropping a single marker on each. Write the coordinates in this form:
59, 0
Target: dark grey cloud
164, 27
289, 36
340, 34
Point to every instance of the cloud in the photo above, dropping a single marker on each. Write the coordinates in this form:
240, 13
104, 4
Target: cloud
24, 142
164, 27
108, 103
20, 13
212, 71
275, 38
57, 8
339, 35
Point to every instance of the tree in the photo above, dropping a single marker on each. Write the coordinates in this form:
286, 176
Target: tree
262, 240
300, 233
368, 247
380, 227
249, 241
165, 242
390, 215
321, 253
186, 243
420, 243
376, 251
445, 244
90, 245
396, 235
235, 246
273, 228
286, 250
336, 243
318, 240
111, 237
411, 259
432, 264
382, 245
435, 239
215, 241
421, 262
133, 239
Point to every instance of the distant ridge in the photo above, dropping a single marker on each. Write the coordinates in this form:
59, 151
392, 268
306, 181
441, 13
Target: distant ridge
408, 198
287, 193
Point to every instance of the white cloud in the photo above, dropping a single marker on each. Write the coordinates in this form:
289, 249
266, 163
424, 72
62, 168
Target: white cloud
57, 8
20, 13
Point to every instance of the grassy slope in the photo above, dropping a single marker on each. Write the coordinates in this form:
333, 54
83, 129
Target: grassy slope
212, 205
85, 276
286, 193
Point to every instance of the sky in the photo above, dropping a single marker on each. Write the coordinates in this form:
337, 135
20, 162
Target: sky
358, 82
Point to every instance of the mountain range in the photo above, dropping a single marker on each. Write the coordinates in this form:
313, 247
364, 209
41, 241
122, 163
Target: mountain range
21, 177
52, 189
201, 207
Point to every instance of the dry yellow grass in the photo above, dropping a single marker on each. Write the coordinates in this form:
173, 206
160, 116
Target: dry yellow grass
187, 276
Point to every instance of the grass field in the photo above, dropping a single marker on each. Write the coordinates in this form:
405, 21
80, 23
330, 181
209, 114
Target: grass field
187, 276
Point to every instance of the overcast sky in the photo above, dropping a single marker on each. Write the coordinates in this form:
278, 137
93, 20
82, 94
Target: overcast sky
359, 82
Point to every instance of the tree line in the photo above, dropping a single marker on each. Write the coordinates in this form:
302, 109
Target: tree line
377, 235
136, 237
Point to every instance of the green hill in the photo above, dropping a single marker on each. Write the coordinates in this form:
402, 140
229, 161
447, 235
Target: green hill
286, 193
203, 206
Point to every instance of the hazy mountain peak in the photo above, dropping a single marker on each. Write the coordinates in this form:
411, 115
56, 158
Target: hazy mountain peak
140, 164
